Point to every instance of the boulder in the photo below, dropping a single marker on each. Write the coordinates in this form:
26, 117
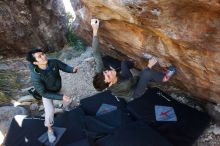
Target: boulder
183, 33
27, 24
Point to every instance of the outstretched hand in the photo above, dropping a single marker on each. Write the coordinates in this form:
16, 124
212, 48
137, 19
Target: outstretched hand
152, 62
95, 26
95, 23
75, 69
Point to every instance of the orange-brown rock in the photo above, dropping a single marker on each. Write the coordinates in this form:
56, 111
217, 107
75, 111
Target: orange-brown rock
183, 33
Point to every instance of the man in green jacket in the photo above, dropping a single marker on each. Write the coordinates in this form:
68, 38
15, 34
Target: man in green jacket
123, 84
46, 79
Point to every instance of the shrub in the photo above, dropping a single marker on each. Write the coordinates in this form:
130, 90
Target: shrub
74, 41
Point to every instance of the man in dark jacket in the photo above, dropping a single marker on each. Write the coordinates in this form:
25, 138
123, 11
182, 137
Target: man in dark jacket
123, 84
47, 81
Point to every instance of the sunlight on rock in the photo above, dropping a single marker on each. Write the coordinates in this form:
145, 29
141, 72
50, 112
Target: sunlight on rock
69, 10
19, 119
1, 138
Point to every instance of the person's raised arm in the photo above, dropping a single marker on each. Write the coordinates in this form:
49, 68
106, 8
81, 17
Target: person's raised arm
95, 46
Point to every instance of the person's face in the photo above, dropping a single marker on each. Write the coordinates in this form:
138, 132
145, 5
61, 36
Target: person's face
110, 75
41, 58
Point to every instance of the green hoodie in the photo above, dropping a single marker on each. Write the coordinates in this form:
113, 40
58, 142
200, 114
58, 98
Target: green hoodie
48, 82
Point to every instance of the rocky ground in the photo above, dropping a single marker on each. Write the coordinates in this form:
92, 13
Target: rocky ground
77, 85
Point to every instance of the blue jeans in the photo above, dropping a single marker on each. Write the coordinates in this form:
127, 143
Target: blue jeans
145, 77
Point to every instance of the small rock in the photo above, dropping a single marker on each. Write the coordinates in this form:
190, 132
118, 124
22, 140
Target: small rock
207, 138
57, 103
21, 1
25, 90
90, 59
213, 111
34, 106
75, 102
43, 115
41, 108
3, 66
216, 130
49, 4
26, 103
198, 108
27, 98
58, 110
217, 108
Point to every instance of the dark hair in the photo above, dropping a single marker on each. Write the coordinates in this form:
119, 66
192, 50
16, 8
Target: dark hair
30, 56
99, 82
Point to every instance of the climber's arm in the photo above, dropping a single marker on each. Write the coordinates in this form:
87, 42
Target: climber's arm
95, 46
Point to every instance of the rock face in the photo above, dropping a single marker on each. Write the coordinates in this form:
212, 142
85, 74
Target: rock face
25, 24
183, 33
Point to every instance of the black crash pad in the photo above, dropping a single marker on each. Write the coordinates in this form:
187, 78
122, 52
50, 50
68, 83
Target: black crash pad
190, 122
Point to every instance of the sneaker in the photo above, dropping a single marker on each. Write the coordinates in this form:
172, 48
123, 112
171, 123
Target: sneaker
169, 73
51, 136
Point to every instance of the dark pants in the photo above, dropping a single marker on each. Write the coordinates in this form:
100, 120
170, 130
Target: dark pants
146, 76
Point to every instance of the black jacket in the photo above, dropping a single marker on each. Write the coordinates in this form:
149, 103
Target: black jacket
48, 83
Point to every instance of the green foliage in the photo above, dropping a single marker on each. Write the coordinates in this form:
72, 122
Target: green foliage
8, 84
4, 98
74, 41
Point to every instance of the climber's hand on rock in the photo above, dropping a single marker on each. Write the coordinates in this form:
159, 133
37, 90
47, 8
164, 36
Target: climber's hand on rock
95, 23
152, 62
95, 26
